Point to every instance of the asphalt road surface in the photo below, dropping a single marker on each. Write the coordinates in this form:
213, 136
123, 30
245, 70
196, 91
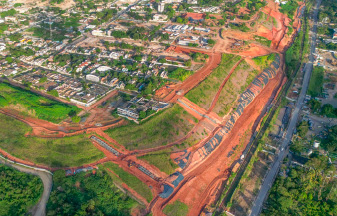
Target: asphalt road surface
40, 208
268, 181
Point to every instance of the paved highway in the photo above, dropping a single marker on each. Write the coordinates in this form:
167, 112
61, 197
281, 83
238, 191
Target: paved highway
40, 208
268, 181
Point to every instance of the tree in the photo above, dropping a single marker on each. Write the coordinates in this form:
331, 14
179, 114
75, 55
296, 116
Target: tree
211, 41
315, 105
303, 128
9, 59
142, 114
328, 110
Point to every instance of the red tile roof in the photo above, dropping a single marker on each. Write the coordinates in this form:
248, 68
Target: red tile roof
195, 16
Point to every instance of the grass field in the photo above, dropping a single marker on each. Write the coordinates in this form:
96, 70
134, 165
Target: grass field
242, 76
264, 61
161, 160
161, 129
264, 41
316, 82
176, 208
68, 151
132, 181
203, 94
34, 105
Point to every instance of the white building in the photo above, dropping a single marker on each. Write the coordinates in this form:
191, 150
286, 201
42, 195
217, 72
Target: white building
161, 7
92, 78
160, 18
98, 33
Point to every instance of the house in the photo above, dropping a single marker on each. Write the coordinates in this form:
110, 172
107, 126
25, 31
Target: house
10, 18
159, 18
98, 33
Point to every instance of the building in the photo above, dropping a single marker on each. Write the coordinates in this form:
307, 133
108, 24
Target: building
159, 18
161, 7
98, 33
92, 78
10, 18
128, 113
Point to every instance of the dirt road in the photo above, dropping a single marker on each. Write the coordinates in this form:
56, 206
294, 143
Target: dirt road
40, 208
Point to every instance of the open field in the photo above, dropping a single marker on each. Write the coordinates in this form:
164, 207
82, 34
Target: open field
242, 76
316, 82
203, 94
176, 208
161, 129
120, 176
34, 105
68, 151
161, 160
18, 191
264, 61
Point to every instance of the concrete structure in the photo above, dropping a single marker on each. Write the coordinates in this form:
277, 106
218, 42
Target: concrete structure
161, 7
92, 77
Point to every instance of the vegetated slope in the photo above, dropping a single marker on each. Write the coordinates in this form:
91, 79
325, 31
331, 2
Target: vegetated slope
87, 194
176, 208
18, 191
161, 129
264, 61
68, 151
304, 191
161, 160
242, 76
34, 105
203, 94
120, 176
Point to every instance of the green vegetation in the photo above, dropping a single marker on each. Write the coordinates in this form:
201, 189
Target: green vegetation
68, 151
330, 143
203, 94
180, 74
241, 27
176, 208
264, 41
328, 10
241, 77
316, 82
34, 105
10, 12
294, 55
132, 181
289, 8
87, 194
328, 46
303, 128
161, 160
164, 127
304, 191
18, 191
264, 61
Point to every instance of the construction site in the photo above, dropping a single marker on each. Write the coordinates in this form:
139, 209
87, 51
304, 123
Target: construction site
217, 126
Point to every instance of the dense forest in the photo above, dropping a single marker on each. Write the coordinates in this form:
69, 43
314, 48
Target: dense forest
87, 194
18, 191
307, 190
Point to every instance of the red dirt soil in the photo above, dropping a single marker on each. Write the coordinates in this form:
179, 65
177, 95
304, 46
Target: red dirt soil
204, 172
